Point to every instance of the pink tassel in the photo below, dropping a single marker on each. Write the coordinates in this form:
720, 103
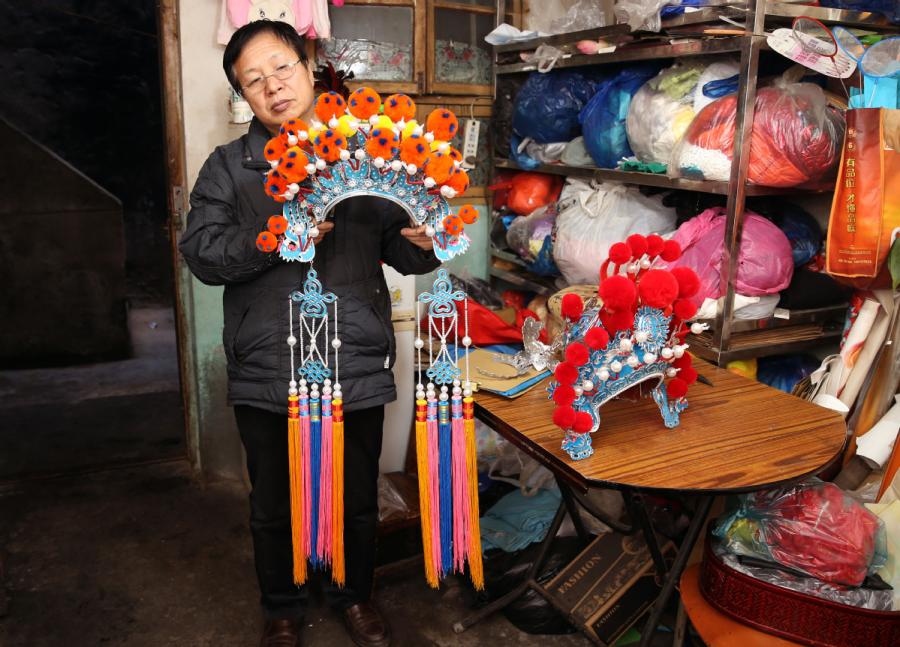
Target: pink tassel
434, 485
307, 487
460, 489
327, 488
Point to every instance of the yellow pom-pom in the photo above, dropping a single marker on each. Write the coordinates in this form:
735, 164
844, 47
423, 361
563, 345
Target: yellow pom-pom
384, 121
312, 133
347, 125
363, 103
399, 106
410, 128
442, 124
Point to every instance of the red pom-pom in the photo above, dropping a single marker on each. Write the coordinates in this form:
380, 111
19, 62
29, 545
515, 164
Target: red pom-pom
688, 281
564, 395
638, 245
688, 374
583, 422
596, 338
658, 289
685, 309
655, 244
676, 388
577, 354
564, 417
671, 251
620, 253
618, 293
682, 362
566, 373
616, 321
572, 306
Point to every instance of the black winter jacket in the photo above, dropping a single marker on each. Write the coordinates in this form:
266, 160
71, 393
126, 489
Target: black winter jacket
228, 209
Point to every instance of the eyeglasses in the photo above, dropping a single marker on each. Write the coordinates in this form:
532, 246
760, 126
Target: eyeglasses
282, 73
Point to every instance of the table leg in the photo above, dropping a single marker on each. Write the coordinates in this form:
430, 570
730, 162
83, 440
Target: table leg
637, 510
574, 512
500, 603
684, 552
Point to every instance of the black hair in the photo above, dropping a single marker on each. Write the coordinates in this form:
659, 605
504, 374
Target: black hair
281, 30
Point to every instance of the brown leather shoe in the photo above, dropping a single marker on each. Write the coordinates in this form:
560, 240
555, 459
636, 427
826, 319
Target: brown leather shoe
366, 626
281, 633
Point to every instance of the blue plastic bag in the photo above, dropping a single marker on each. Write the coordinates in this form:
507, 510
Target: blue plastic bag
603, 118
782, 372
547, 106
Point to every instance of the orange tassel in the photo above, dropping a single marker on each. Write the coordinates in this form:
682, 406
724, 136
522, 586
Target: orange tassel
476, 568
424, 500
338, 566
296, 483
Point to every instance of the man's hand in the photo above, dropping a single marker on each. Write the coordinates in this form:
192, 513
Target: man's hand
324, 228
417, 237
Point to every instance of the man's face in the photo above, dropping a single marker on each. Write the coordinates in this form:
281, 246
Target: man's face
274, 100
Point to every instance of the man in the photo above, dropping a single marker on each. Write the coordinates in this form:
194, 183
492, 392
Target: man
266, 62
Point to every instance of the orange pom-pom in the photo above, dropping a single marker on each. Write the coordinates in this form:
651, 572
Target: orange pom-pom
277, 224
364, 103
400, 107
453, 225
328, 145
274, 149
266, 242
383, 143
329, 105
455, 154
276, 185
292, 128
414, 150
438, 167
442, 124
292, 166
458, 181
469, 214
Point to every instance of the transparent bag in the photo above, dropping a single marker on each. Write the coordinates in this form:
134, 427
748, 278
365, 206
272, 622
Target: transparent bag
642, 14
531, 237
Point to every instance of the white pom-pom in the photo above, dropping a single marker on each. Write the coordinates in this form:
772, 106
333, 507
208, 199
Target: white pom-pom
667, 353
333, 122
273, 163
679, 351
359, 154
466, 341
632, 361
297, 229
345, 155
292, 140
321, 164
429, 230
444, 147
603, 375
419, 343
429, 182
303, 135
615, 366
671, 372
698, 328
379, 162
411, 169
587, 385
315, 124
429, 137
335, 343
625, 345
313, 232
419, 130
448, 192
311, 168
396, 165
641, 336
649, 358
401, 124
292, 341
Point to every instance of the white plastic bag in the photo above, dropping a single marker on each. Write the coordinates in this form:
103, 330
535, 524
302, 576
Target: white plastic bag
642, 14
594, 216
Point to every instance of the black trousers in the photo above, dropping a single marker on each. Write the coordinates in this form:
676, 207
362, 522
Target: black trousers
264, 435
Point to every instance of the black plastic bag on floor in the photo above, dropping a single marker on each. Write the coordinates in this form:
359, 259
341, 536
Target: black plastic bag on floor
529, 612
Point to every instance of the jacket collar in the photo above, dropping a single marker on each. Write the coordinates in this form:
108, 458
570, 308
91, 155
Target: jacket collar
254, 143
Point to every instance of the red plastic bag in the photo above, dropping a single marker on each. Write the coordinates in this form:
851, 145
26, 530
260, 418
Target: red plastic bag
529, 191
486, 327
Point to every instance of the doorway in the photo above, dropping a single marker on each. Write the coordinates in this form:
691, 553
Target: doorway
89, 373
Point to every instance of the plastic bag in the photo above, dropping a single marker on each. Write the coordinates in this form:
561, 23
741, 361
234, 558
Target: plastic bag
661, 111
765, 263
890, 8
575, 153
603, 118
390, 502
796, 138
719, 79
584, 14
642, 14
531, 237
519, 155
801, 229
530, 191
545, 153
594, 216
782, 372
812, 527
547, 106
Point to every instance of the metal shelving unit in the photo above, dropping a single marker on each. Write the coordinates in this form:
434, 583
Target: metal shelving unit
727, 339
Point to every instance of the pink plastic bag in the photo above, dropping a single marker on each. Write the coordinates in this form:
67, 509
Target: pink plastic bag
766, 263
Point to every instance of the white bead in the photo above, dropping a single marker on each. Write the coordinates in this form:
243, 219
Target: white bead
333, 122
467, 393
311, 168
615, 366
645, 263
292, 383
626, 345
443, 388
587, 385
603, 375
337, 395
313, 232
303, 135
466, 341
304, 390
468, 385
457, 383
294, 188
326, 390
326, 382
429, 182
396, 165
335, 343
578, 391
302, 382
321, 164
649, 358
439, 227
641, 336
359, 154
457, 390
671, 372
420, 395
374, 119
430, 386
420, 130
679, 351
444, 397
633, 361
273, 163
420, 387
379, 162
667, 353
292, 391
292, 341
337, 386
411, 169
419, 343
292, 140
345, 155
448, 192
698, 328
429, 230
401, 124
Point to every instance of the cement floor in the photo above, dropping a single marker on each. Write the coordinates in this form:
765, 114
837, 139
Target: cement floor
146, 557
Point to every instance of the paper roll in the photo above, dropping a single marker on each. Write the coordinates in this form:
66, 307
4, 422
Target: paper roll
877, 444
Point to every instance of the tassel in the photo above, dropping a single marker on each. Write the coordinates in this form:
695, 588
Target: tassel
424, 499
338, 568
315, 462
476, 568
446, 486
460, 487
304, 476
434, 495
325, 500
295, 453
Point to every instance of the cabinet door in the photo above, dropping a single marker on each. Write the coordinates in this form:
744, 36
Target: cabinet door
459, 61
381, 41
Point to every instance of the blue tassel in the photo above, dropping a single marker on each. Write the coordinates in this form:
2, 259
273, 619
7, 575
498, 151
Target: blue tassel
446, 489
315, 464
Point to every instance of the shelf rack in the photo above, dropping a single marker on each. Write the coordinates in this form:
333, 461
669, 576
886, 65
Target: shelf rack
728, 339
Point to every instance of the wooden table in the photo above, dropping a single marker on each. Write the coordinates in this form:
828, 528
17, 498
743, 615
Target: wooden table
737, 435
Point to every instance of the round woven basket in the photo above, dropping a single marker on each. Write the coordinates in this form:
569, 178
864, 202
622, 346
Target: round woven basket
554, 305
